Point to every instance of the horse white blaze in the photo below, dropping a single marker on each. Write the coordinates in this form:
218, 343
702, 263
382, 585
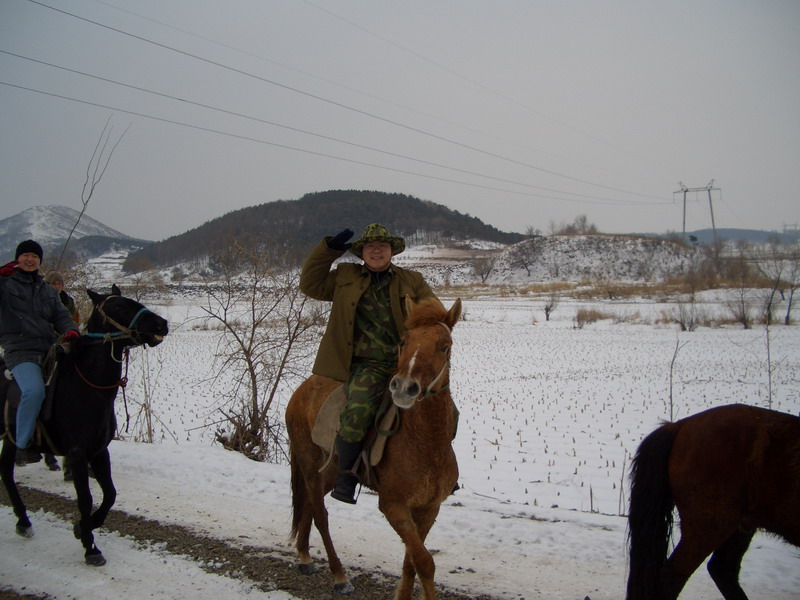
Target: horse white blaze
412, 361
405, 388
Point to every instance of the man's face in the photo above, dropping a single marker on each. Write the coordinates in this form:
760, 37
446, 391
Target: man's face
28, 261
377, 255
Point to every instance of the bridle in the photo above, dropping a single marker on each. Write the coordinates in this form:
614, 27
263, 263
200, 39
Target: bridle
122, 332
429, 391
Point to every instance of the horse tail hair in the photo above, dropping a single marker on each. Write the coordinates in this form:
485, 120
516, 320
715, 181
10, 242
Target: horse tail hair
298, 496
650, 515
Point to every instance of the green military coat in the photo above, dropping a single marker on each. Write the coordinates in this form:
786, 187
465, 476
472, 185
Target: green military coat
343, 286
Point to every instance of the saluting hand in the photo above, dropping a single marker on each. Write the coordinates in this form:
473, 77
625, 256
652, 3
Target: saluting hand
339, 241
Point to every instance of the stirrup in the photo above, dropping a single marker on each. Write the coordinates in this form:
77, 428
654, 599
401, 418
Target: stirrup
344, 490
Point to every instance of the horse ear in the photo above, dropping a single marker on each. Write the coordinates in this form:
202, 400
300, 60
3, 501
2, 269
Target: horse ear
96, 298
454, 314
115, 290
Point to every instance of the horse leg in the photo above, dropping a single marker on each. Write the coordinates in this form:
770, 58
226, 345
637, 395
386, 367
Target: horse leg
413, 529
83, 527
725, 564
696, 543
308, 506
301, 530
341, 584
101, 467
7, 456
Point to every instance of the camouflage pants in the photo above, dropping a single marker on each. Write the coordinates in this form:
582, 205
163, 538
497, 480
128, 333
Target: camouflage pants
364, 390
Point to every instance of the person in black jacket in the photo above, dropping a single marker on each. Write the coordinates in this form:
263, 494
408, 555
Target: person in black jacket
31, 317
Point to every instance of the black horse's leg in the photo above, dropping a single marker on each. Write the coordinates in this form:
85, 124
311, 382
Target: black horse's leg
726, 562
7, 456
101, 466
83, 528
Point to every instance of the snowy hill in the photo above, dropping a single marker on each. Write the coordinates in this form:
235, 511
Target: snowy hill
51, 226
552, 258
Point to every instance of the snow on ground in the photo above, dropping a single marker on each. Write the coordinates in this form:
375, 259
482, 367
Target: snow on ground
550, 416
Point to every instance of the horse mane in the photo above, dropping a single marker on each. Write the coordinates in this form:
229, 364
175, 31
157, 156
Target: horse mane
429, 311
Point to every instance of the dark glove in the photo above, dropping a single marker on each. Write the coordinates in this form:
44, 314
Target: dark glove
71, 335
7, 270
339, 241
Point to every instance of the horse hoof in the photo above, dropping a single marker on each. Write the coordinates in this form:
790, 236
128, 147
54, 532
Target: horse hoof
25, 531
76, 530
95, 560
344, 588
307, 568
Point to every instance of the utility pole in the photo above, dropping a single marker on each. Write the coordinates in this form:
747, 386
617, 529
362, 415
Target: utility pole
709, 188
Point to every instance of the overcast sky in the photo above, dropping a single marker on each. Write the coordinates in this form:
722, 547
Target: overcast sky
523, 113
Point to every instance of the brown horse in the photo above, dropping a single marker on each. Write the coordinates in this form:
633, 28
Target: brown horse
729, 471
418, 469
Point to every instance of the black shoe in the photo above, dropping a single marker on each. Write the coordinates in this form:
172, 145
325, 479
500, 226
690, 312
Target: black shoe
27, 456
345, 488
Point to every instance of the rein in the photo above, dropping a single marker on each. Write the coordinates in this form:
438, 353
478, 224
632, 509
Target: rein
122, 333
119, 384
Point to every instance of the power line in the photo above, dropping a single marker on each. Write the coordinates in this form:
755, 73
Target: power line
303, 150
362, 92
341, 105
311, 133
469, 80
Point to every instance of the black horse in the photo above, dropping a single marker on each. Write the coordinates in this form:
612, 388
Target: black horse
82, 422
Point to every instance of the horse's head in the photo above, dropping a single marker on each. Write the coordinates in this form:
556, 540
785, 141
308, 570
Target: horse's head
116, 317
423, 361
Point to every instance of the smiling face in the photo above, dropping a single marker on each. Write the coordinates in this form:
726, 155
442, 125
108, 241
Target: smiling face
377, 255
29, 261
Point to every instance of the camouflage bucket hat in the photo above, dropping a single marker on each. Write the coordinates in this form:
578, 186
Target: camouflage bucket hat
378, 233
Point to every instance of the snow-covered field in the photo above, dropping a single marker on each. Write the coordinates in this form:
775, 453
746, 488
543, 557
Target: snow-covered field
550, 416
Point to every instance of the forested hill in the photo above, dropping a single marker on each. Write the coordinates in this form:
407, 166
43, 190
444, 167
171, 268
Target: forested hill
299, 224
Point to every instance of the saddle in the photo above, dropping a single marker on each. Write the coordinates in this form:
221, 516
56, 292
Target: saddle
326, 428
10, 394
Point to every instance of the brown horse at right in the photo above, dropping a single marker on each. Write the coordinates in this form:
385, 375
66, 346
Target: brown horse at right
418, 469
729, 471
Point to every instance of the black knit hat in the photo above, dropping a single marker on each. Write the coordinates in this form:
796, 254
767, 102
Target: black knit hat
29, 246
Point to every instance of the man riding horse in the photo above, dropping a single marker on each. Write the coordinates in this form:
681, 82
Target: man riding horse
359, 347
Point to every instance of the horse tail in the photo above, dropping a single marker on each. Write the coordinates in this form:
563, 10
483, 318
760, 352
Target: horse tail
298, 496
651, 513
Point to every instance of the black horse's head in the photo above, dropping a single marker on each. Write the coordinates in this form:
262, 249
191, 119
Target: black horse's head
116, 317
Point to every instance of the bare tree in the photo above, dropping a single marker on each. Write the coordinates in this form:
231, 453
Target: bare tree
267, 329
145, 285
770, 263
101, 157
739, 271
678, 346
524, 254
579, 226
792, 279
552, 302
483, 267
532, 231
